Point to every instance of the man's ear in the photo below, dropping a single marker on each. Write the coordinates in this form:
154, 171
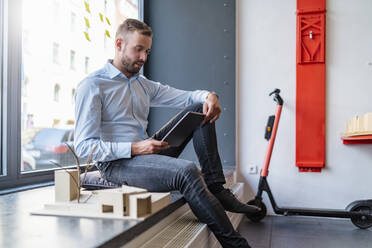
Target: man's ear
119, 43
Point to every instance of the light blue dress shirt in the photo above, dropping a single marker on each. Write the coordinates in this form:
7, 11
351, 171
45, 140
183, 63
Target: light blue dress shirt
111, 111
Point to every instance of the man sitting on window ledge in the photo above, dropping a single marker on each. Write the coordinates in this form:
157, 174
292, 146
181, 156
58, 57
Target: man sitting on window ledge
112, 106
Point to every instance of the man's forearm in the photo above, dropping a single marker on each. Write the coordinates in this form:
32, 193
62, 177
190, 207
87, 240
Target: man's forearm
103, 150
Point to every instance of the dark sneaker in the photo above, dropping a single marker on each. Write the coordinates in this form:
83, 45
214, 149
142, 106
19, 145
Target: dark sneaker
231, 204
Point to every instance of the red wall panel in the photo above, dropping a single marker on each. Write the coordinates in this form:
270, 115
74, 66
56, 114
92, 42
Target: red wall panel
310, 85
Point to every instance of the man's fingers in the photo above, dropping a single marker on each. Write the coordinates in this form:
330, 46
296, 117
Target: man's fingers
205, 108
155, 142
160, 148
209, 114
205, 111
165, 145
159, 143
215, 118
157, 146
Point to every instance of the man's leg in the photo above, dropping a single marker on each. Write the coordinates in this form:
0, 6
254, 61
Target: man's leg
205, 145
158, 173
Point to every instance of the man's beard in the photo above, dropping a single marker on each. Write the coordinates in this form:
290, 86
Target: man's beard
130, 66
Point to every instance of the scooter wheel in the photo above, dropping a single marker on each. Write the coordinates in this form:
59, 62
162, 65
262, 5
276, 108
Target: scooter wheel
363, 222
259, 216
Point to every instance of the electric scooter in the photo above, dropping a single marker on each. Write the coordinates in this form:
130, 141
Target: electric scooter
360, 212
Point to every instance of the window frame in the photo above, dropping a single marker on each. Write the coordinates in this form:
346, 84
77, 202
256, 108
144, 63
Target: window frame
2, 57
10, 97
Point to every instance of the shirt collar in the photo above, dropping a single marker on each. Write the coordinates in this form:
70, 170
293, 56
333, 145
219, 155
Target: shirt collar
113, 72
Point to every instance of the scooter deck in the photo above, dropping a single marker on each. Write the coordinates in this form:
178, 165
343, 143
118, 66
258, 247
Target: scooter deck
288, 211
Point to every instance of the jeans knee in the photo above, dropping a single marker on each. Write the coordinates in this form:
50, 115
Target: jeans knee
189, 171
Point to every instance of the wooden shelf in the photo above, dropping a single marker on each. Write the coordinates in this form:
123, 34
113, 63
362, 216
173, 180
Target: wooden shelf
360, 139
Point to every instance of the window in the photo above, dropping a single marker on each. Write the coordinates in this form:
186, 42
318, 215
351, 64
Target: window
55, 53
73, 95
57, 90
134, 2
105, 6
72, 60
25, 42
43, 49
86, 65
73, 22
104, 41
56, 11
25, 86
2, 19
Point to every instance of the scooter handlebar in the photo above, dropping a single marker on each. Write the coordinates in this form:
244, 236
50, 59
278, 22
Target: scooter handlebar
277, 98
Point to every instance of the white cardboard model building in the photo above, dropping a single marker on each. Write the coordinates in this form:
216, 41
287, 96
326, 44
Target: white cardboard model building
117, 200
117, 203
66, 185
359, 125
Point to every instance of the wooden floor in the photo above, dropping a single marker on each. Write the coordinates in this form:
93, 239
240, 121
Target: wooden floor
304, 232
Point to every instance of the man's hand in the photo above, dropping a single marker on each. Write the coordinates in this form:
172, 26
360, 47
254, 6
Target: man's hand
148, 146
211, 108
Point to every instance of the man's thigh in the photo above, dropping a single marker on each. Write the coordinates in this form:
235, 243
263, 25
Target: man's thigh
156, 173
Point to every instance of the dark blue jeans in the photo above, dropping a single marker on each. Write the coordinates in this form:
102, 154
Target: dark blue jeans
166, 172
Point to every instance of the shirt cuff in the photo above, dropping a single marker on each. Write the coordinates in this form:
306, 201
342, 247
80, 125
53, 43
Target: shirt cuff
123, 150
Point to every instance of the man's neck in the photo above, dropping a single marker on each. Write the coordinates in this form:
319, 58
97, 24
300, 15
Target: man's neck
117, 64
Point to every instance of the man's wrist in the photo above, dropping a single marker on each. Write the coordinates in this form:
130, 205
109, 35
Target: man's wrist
132, 148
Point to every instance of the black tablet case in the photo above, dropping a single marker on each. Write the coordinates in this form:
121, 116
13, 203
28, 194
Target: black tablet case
183, 128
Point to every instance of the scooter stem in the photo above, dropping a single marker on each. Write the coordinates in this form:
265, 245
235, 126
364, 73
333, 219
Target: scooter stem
265, 167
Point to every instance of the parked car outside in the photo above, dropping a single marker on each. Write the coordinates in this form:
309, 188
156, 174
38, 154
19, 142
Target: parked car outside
49, 144
28, 162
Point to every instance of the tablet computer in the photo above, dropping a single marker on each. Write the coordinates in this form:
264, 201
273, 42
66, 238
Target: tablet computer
183, 128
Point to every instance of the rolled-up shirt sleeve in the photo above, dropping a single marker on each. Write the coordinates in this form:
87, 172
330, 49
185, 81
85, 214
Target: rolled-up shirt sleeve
166, 96
88, 106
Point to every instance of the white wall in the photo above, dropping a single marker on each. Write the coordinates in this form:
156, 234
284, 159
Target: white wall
266, 50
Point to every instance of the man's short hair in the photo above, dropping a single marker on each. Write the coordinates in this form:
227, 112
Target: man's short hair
131, 25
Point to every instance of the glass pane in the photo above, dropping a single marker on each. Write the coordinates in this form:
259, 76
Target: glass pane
62, 43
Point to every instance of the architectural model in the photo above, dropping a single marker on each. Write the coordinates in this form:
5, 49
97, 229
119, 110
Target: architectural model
118, 203
359, 125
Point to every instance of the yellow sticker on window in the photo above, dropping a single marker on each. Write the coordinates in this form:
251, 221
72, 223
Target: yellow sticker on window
107, 33
86, 36
87, 7
87, 22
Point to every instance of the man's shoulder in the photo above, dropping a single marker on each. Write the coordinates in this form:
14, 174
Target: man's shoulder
147, 81
94, 78
97, 75
143, 78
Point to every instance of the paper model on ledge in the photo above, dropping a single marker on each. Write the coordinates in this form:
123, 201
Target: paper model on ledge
359, 125
66, 185
120, 203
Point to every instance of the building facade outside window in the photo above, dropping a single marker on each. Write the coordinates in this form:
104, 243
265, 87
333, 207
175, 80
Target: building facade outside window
73, 22
73, 95
86, 65
55, 53
43, 49
72, 59
57, 90
77, 50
